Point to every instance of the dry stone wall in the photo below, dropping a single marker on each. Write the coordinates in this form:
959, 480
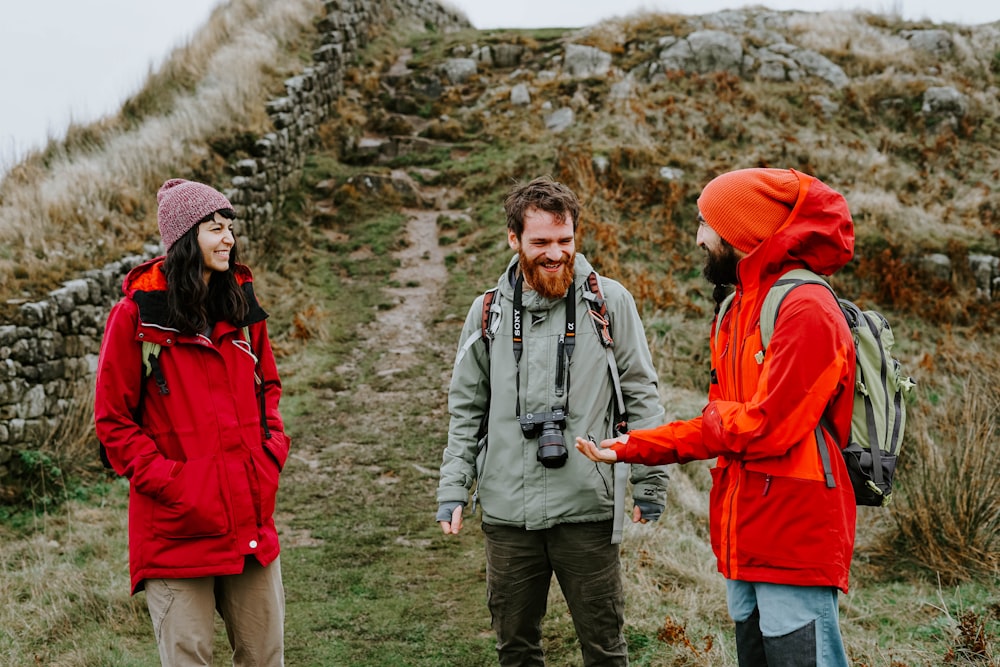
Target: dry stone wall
263, 180
49, 348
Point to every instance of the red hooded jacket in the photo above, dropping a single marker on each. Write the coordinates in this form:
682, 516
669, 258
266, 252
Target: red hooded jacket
203, 473
772, 516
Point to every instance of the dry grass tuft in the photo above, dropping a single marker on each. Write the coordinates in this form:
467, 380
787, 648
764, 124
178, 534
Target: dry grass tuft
973, 643
675, 634
48, 592
948, 513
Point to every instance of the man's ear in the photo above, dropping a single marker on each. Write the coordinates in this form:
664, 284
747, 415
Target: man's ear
512, 240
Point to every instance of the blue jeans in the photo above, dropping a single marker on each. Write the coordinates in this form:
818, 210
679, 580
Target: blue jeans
779, 625
519, 568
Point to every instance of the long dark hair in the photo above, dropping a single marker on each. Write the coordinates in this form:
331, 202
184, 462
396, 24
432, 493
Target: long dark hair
193, 306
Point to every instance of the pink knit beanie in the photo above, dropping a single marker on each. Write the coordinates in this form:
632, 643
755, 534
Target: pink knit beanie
747, 206
181, 204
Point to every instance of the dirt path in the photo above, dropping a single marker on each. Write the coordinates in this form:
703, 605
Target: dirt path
378, 372
417, 287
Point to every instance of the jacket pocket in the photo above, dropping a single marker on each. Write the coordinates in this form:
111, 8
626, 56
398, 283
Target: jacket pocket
789, 523
265, 475
191, 504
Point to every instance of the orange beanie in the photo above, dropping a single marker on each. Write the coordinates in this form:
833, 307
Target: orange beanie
749, 205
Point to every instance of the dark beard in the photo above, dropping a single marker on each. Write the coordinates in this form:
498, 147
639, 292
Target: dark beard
547, 285
720, 266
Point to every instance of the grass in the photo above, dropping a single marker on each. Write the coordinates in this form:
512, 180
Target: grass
369, 579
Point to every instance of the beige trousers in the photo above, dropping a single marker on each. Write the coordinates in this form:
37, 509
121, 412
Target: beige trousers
252, 605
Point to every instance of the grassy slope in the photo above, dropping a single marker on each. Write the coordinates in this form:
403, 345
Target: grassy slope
368, 577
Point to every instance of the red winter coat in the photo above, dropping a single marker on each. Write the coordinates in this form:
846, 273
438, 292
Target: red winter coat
772, 517
203, 476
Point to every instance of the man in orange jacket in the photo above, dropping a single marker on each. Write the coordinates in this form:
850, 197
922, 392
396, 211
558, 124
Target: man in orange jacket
783, 535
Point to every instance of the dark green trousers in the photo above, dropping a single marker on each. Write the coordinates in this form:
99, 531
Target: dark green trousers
519, 568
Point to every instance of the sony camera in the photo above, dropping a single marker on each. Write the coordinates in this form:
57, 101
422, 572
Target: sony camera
548, 428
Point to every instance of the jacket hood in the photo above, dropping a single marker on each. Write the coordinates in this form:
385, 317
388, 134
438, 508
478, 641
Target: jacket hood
530, 298
146, 284
818, 235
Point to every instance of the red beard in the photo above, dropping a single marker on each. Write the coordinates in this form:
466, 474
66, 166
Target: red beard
548, 285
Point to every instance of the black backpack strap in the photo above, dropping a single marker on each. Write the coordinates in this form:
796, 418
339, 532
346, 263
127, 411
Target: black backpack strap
486, 334
157, 373
258, 376
824, 454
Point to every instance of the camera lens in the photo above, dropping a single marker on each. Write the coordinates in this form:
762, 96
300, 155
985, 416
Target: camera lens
551, 446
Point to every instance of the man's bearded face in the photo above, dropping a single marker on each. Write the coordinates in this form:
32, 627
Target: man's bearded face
720, 264
546, 252
539, 275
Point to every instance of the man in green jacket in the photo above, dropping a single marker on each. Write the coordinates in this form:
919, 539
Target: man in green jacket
541, 376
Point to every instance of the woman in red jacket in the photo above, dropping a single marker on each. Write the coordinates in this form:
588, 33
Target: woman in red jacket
782, 532
187, 408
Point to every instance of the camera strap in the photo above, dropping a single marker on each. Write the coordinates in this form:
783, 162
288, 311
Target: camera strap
567, 343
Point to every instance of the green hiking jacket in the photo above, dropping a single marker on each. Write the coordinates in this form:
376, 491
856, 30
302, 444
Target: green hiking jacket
514, 489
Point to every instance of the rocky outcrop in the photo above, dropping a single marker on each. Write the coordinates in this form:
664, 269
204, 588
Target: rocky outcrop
707, 51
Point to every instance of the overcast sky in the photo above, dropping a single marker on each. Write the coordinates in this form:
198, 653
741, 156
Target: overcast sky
77, 60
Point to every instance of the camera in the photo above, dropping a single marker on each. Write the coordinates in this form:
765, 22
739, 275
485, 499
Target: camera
548, 428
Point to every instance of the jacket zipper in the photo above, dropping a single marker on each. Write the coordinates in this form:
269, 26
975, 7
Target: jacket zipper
736, 350
737, 382
730, 533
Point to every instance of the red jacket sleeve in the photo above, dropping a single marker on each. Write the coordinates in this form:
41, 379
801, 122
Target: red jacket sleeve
116, 400
803, 368
676, 442
278, 443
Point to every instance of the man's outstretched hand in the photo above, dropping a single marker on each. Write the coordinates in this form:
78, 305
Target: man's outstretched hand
600, 454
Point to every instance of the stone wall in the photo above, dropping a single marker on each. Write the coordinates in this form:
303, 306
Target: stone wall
262, 181
49, 348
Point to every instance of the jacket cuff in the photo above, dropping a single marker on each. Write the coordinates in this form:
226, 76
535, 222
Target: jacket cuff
453, 494
649, 493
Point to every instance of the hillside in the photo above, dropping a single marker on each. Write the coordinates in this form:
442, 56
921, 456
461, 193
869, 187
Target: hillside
370, 264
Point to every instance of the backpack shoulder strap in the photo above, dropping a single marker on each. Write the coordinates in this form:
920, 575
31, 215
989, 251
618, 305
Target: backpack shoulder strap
597, 308
776, 296
258, 377
151, 366
491, 315
769, 317
773, 300
489, 324
723, 307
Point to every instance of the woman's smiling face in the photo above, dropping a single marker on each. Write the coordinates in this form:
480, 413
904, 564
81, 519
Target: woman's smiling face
216, 239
